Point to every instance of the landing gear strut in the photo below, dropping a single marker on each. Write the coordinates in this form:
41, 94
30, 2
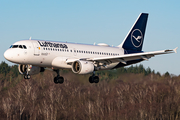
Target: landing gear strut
93, 78
58, 78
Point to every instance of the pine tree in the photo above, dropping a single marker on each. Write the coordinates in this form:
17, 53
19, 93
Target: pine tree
4, 68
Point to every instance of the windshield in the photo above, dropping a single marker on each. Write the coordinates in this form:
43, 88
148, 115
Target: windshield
18, 46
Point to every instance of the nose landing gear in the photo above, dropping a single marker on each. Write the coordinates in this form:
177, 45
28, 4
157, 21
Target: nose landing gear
27, 76
26, 72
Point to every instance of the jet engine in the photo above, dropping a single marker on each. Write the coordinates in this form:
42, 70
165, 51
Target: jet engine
82, 67
31, 69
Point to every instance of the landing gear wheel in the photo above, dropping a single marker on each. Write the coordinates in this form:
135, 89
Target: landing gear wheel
58, 79
27, 76
96, 79
93, 79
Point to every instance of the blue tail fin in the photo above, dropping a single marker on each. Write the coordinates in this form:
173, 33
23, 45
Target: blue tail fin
135, 37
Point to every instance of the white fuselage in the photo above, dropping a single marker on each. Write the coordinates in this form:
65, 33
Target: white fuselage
55, 54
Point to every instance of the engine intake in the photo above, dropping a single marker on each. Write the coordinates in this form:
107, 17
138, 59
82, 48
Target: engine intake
82, 67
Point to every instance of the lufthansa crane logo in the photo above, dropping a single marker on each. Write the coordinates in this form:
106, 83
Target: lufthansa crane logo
136, 38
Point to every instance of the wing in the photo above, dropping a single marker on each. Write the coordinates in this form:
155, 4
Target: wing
128, 57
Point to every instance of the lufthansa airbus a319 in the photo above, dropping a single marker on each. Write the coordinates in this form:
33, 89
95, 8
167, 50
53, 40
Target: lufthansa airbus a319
33, 56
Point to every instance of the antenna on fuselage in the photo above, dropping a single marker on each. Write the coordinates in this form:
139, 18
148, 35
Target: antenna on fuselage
30, 38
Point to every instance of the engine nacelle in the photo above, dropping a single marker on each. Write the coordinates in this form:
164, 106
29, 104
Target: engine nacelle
31, 69
82, 67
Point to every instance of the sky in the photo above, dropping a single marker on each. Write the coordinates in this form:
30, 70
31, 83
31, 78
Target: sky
94, 21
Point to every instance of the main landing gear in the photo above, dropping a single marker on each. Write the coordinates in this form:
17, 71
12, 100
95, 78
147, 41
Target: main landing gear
93, 78
58, 78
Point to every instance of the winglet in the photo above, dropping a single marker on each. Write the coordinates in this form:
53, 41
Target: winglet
175, 50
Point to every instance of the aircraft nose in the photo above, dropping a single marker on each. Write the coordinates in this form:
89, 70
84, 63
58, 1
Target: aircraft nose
7, 55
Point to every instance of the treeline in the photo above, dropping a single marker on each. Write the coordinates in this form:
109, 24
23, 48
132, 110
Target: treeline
111, 74
128, 96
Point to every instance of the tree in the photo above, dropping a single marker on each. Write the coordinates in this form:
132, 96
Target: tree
141, 69
148, 71
15, 71
4, 68
167, 74
158, 73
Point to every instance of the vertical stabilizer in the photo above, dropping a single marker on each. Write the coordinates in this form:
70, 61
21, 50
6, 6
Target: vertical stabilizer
135, 37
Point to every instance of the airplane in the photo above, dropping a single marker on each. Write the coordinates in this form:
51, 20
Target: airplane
34, 56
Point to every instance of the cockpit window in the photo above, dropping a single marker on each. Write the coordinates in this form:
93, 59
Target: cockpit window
18, 46
15, 46
24, 47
